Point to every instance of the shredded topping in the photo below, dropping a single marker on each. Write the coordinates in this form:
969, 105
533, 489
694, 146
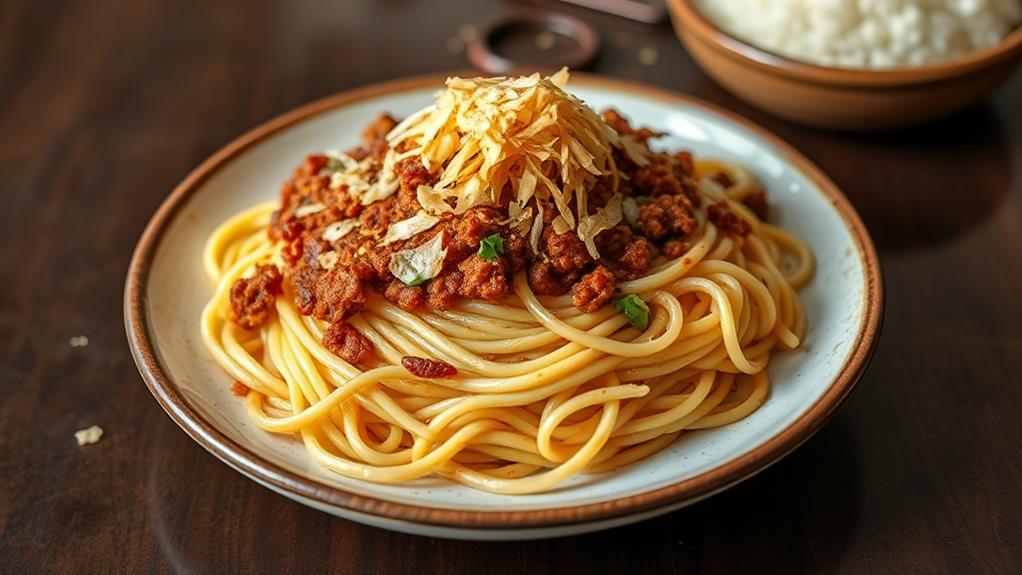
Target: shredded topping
405, 229
604, 219
416, 266
527, 135
365, 179
519, 219
630, 210
309, 209
338, 230
537, 230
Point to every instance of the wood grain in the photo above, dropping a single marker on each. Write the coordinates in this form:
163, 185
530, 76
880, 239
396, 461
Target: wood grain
105, 105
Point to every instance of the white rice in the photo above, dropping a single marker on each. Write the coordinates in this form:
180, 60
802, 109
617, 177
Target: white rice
866, 33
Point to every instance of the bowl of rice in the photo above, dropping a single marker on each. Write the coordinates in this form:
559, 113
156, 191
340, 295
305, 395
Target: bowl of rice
854, 64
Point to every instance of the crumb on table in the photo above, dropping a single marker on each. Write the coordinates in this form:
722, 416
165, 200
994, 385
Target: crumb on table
88, 435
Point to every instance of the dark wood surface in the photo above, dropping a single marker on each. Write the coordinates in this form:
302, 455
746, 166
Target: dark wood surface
105, 105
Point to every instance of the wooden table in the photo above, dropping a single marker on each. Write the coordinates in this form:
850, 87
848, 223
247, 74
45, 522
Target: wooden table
105, 105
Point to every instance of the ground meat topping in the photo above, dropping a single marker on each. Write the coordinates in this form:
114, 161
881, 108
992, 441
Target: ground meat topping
721, 215
621, 126
483, 279
626, 254
346, 342
470, 229
674, 249
666, 175
544, 279
593, 290
412, 174
431, 368
515, 247
685, 162
330, 277
756, 201
445, 290
408, 298
374, 136
338, 295
565, 252
252, 298
666, 216
723, 178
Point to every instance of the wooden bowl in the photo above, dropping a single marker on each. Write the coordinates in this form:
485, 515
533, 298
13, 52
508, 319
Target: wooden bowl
843, 98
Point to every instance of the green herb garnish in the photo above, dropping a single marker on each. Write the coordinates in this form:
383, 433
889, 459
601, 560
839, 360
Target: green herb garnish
641, 200
334, 165
635, 310
491, 247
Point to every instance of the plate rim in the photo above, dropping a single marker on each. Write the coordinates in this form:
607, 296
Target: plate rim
144, 351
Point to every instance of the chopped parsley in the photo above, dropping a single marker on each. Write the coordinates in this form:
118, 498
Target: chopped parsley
491, 247
337, 162
334, 165
635, 310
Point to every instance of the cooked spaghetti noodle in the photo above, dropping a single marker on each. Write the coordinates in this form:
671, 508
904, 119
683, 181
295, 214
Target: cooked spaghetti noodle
540, 391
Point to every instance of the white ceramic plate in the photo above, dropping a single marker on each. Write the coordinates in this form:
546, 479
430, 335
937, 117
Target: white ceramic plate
166, 290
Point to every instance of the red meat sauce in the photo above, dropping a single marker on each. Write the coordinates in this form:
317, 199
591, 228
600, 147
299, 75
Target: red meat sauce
666, 189
428, 368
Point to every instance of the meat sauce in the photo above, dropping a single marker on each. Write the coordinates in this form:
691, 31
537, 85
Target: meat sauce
252, 298
666, 190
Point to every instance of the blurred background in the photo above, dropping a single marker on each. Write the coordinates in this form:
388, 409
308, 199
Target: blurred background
105, 105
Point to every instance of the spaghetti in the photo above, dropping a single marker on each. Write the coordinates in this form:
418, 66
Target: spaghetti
538, 390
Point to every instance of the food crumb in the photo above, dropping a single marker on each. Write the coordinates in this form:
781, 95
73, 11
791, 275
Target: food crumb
648, 56
545, 40
88, 435
239, 389
79, 341
455, 45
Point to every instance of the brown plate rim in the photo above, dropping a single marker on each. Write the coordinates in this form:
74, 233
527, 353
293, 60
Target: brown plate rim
941, 71
161, 386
